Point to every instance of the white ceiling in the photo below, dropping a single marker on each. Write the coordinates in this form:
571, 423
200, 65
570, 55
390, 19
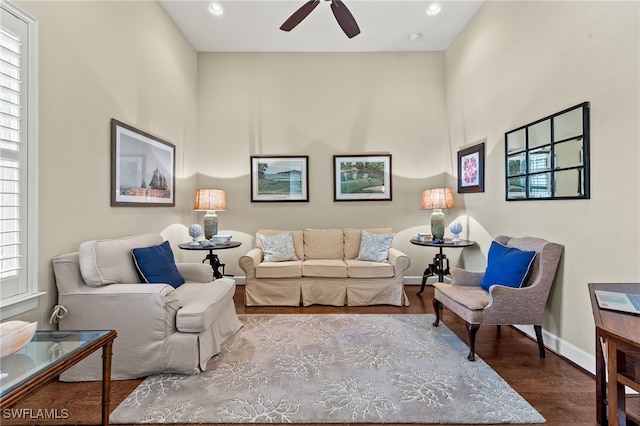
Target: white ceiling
385, 25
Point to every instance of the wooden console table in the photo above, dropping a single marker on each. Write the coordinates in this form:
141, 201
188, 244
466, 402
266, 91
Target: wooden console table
617, 354
44, 358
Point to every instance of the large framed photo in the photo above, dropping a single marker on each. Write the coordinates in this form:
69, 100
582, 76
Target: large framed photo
142, 168
284, 178
471, 169
362, 177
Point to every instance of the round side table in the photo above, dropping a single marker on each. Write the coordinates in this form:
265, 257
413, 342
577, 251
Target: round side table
213, 259
440, 265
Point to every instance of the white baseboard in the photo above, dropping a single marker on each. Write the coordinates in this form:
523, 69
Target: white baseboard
412, 280
573, 353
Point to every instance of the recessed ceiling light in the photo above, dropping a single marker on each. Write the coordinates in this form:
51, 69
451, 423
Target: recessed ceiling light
415, 36
216, 9
433, 9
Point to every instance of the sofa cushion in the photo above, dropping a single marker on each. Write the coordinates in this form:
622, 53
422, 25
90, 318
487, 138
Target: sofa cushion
278, 248
287, 269
508, 266
364, 269
156, 265
324, 268
109, 261
474, 298
352, 238
323, 244
203, 303
375, 247
297, 239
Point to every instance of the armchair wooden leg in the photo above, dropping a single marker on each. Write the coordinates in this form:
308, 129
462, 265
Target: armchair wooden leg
538, 329
437, 306
472, 329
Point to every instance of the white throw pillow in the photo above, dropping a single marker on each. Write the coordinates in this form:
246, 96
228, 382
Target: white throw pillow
375, 247
278, 248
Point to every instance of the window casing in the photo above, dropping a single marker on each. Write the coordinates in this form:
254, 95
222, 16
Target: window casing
18, 162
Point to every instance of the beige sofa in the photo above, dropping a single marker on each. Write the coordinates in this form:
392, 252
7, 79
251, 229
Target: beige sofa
326, 272
160, 328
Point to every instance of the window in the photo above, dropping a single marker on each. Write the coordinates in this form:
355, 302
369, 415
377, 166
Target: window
18, 162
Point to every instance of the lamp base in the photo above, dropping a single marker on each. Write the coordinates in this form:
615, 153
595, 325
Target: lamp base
210, 224
437, 224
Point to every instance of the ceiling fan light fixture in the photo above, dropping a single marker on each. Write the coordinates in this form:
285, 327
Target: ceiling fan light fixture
433, 9
216, 9
340, 12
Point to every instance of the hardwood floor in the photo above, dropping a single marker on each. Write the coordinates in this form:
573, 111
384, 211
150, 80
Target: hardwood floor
561, 392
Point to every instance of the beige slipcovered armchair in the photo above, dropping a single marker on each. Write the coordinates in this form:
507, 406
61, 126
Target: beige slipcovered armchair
501, 304
160, 328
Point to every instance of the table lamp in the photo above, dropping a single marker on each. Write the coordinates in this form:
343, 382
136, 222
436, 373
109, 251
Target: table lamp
210, 200
437, 199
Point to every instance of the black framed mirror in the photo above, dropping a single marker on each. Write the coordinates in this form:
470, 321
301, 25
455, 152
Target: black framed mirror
549, 158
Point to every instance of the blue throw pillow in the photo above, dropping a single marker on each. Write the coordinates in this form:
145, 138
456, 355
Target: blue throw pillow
156, 265
507, 266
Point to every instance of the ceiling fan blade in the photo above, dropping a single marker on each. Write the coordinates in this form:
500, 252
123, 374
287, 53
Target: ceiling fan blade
345, 18
299, 15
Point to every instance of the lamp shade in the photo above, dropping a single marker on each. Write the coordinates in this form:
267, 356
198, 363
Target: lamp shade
210, 199
437, 198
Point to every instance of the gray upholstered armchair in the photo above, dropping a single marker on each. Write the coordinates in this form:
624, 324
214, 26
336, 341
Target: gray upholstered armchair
501, 304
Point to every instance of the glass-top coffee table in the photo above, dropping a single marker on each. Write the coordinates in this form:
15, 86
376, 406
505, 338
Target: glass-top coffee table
47, 355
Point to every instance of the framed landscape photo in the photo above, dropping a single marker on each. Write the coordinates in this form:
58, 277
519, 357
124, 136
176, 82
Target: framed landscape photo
471, 169
142, 168
283, 178
362, 177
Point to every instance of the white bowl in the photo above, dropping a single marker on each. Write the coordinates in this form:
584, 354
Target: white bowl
14, 335
220, 238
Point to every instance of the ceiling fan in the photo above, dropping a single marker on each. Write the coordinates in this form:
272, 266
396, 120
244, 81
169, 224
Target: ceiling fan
343, 16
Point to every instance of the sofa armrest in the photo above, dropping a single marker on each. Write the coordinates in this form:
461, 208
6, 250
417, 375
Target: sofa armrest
399, 260
249, 261
463, 277
196, 272
152, 307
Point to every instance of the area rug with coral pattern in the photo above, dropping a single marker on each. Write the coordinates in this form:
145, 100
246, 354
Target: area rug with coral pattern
340, 368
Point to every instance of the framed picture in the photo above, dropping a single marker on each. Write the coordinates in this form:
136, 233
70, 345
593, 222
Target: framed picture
362, 177
471, 169
284, 178
142, 168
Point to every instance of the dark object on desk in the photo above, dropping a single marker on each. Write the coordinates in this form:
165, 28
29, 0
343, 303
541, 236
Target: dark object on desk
617, 357
213, 259
440, 265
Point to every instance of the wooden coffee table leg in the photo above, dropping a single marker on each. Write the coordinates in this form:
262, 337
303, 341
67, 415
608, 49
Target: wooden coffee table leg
106, 381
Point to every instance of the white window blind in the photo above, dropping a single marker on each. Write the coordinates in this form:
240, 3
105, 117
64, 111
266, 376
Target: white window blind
18, 163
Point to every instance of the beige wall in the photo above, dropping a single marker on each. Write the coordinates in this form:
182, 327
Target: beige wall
321, 105
521, 61
103, 60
